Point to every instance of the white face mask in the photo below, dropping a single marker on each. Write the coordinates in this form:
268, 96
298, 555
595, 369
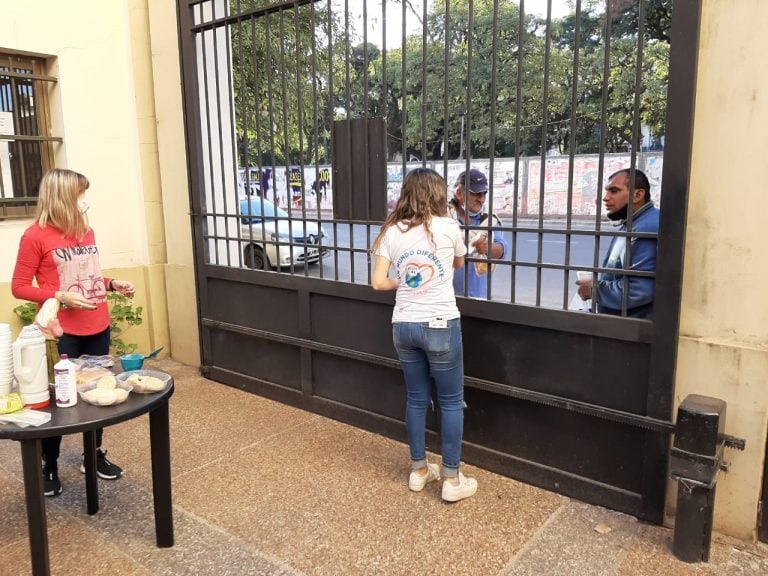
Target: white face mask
83, 205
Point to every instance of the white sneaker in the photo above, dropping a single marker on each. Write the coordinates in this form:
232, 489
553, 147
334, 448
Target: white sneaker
455, 492
416, 482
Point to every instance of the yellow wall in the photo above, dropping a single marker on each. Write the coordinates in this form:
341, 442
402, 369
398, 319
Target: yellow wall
117, 134
179, 270
723, 349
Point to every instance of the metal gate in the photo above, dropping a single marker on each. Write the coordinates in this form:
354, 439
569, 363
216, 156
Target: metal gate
302, 116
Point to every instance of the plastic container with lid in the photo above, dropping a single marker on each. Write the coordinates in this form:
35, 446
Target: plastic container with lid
66, 382
30, 367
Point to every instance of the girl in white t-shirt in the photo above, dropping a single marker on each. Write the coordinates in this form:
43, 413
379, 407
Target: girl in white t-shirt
424, 246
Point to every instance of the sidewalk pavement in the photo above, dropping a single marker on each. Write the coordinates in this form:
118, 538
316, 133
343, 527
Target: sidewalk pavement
261, 488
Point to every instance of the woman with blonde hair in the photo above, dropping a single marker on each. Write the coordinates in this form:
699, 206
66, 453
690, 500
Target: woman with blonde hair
59, 252
424, 246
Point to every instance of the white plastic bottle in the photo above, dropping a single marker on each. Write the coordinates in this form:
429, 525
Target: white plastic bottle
65, 382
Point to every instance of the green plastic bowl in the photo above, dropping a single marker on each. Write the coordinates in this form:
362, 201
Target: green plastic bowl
131, 362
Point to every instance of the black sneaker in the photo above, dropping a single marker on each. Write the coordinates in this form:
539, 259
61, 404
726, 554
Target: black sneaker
104, 468
51, 482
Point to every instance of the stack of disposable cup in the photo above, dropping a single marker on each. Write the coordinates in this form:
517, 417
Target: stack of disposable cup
6, 359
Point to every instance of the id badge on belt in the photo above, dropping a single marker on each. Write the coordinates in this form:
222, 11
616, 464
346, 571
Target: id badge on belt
438, 322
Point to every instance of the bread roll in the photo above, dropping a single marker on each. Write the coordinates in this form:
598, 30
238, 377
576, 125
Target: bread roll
143, 383
101, 396
46, 318
108, 382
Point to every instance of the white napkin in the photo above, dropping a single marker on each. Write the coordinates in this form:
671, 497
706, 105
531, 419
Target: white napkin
26, 417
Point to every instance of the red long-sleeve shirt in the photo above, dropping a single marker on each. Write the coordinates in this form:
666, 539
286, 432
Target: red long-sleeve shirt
62, 263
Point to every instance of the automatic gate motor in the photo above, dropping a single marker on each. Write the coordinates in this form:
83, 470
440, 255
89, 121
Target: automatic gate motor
695, 459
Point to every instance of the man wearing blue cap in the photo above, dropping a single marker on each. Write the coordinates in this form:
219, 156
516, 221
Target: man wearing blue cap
468, 209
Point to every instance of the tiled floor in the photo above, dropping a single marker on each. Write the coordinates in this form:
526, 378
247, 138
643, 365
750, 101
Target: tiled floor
265, 489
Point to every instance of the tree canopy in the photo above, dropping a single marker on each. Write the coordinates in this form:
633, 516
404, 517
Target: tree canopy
517, 84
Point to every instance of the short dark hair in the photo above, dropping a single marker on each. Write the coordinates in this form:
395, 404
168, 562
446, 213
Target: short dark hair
641, 180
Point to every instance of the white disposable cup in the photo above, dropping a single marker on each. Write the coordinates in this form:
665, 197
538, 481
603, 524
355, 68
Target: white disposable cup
584, 275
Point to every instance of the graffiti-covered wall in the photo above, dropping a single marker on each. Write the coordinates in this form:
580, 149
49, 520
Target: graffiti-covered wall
294, 187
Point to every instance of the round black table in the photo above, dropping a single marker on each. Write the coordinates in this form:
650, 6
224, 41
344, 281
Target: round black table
86, 418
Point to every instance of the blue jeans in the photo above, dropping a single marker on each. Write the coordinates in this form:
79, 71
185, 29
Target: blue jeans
435, 352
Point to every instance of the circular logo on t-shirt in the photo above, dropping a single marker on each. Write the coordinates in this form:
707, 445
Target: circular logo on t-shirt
416, 275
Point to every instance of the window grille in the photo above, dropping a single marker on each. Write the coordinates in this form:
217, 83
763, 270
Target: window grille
26, 144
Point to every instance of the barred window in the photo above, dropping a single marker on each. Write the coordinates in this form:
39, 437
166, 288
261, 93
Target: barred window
26, 143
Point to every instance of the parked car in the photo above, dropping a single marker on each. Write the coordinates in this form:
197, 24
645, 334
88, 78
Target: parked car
274, 239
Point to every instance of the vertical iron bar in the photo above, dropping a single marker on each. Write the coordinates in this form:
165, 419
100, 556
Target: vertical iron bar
347, 102
571, 154
272, 128
366, 114
258, 81
424, 84
331, 116
544, 126
385, 103
18, 124
257, 130
206, 213
286, 151
446, 71
518, 115
468, 155
243, 93
233, 137
300, 129
633, 153
220, 131
313, 24
492, 147
403, 99
601, 158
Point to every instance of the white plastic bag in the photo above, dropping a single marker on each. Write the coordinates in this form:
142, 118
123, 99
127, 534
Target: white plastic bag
580, 305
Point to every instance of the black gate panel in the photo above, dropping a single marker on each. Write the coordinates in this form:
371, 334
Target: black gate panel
603, 371
269, 308
351, 321
272, 361
376, 389
599, 452
576, 402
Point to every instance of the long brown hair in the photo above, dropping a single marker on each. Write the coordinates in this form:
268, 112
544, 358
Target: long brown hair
57, 202
423, 195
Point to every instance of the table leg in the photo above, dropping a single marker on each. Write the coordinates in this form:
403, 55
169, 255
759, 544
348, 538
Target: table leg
31, 462
91, 482
159, 436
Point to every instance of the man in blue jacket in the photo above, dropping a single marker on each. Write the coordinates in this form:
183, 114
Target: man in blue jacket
609, 289
468, 209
